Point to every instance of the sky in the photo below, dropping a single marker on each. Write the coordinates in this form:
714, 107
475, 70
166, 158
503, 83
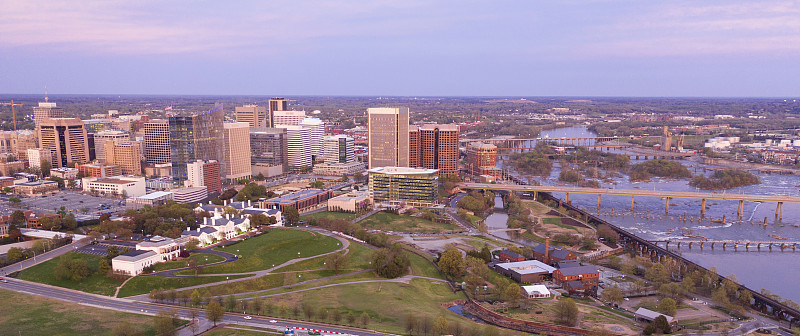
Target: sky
725, 48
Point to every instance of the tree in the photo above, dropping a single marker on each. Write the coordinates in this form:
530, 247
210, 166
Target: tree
15, 201
193, 265
45, 167
308, 311
195, 298
661, 325
512, 294
613, 295
335, 262
441, 326
259, 220
214, 312
364, 319
566, 312
15, 254
166, 321
18, 217
667, 306
358, 177
103, 266
292, 215
451, 263
191, 245
410, 322
316, 184
657, 273
69, 223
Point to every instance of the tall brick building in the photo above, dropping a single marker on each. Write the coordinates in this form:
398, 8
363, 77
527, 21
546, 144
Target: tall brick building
434, 147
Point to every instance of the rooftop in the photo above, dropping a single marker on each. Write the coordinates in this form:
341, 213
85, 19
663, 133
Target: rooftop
651, 315
135, 255
527, 267
155, 195
36, 183
403, 171
580, 270
541, 289
297, 195
111, 181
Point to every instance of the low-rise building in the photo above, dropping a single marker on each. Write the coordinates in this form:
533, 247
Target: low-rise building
303, 200
10, 168
525, 272
246, 208
127, 186
339, 169
166, 248
552, 255
64, 173
587, 274
134, 262
508, 256
6, 181
350, 202
36, 187
536, 291
158, 170
189, 195
152, 199
99, 170
647, 315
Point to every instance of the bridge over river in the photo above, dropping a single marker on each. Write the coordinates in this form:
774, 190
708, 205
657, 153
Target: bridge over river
667, 195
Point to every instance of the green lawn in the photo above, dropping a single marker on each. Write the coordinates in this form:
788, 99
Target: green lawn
557, 222
145, 284
422, 267
388, 305
96, 283
23, 314
263, 283
401, 223
330, 215
358, 257
239, 331
272, 248
202, 259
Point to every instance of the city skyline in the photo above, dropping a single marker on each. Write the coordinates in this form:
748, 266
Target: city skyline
573, 48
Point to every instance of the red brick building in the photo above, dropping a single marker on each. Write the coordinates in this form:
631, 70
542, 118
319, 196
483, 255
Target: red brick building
99, 170
588, 275
482, 160
508, 256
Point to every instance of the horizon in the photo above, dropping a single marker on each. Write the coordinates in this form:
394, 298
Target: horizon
593, 48
31, 95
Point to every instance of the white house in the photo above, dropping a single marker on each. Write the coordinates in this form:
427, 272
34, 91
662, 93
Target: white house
536, 291
166, 248
206, 235
134, 262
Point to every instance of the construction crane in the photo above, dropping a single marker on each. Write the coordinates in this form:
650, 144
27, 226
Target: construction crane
13, 112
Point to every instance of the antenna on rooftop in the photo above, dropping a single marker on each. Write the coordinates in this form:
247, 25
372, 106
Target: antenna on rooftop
46, 99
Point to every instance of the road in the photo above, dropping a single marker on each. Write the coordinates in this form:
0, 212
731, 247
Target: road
130, 306
19, 266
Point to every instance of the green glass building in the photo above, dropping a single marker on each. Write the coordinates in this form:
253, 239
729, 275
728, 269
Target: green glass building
403, 186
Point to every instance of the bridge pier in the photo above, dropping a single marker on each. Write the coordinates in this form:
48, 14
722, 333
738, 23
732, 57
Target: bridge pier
632, 197
741, 209
567, 199
667, 207
779, 211
598, 201
703, 208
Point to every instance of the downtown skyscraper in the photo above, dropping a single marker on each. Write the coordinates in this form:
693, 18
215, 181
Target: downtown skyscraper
194, 137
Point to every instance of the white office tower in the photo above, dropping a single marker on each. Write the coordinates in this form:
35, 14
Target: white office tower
316, 134
339, 149
298, 153
100, 139
287, 118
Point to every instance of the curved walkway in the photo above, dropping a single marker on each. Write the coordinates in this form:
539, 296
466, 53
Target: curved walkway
256, 274
229, 257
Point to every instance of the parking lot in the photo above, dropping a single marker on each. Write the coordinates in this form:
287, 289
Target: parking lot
82, 205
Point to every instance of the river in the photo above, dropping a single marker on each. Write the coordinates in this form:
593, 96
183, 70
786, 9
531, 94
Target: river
771, 270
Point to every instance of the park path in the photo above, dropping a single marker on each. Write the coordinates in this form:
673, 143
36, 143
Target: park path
256, 274
403, 279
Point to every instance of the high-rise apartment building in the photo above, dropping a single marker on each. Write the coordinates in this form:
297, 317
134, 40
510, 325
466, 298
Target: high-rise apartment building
276, 104
254, 115
339, 149
17, 143
482, 159
46, 110
434, 146
287, 118
100, 139
388, 136
316, 134
127, 155
204, 174
196, 137
268, 148
36, 155
237, 150
157, 142
66, 139
297, 149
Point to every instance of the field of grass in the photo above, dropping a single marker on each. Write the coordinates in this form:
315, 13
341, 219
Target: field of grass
330, 215
357, 257
272, 248
202, 259
96, 283
557, 222
537, 209
400, 223
145, 284
422, 267
23, 314
346, 278
263, 283
388, 305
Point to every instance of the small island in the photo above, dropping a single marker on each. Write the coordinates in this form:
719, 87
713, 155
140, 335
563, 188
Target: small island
661, 168
724, 179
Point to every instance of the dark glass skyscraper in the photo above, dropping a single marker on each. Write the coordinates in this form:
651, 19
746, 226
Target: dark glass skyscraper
196, 137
